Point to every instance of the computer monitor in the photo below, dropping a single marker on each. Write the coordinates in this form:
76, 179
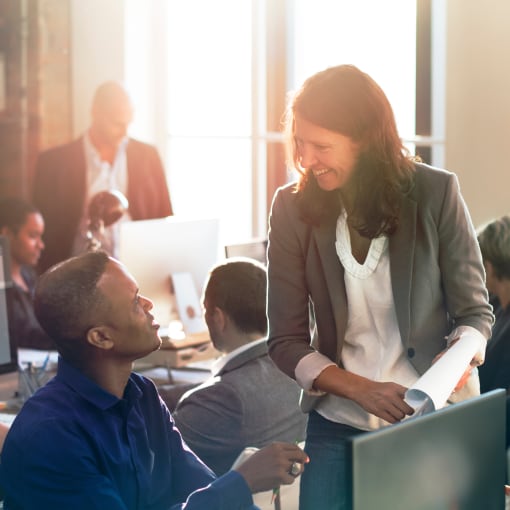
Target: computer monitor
254, 249
450, 459
153, 250
8, 352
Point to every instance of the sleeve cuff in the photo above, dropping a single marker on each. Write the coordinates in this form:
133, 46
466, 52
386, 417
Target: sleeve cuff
464, 330
309, 368
234, 491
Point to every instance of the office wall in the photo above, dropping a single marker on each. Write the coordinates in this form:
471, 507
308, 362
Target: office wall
478, 103
97, 55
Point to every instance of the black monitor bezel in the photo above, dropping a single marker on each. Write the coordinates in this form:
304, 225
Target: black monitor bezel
495, 399
12, 365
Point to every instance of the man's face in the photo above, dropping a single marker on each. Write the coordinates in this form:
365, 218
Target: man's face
26, 244
110, 125
133, 329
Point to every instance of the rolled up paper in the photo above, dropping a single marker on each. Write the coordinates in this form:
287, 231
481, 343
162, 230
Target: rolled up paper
432, 389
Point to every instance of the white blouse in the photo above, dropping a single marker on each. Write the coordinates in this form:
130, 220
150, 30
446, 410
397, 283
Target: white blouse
372, 345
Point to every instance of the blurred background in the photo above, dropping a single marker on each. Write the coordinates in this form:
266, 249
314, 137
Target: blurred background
209, 80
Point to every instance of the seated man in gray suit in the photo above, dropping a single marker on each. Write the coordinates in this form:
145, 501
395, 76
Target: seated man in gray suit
247, 401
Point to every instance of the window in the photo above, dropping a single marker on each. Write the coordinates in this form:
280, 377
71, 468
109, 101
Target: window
212, 77
378, 37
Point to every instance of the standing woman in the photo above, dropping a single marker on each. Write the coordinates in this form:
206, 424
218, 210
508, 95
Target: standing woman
383, 251
23, 226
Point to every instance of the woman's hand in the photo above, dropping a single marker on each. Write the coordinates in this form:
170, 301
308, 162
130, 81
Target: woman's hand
384, 400
475, 362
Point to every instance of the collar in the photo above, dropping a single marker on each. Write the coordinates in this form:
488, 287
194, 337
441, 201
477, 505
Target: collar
221, 362
92, 153
91, 391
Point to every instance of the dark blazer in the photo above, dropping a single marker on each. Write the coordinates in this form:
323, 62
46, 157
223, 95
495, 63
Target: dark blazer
24, 328
495, 372
437, 275
248, 403
60, 183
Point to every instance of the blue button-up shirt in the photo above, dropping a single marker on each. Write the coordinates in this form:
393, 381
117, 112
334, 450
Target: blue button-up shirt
75, 446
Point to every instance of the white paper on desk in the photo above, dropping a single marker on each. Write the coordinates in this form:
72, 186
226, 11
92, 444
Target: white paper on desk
432, 389
38, 357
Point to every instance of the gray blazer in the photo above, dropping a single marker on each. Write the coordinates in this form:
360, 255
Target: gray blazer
437, 275
248, 403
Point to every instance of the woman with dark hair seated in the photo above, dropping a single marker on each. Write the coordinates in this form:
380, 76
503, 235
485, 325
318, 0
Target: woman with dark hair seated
23, 226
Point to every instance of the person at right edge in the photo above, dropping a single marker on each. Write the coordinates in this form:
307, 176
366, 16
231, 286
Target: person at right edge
376, 254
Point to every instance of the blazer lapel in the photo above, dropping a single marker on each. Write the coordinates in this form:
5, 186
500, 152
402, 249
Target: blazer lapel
75, 178
401, 264
325, 237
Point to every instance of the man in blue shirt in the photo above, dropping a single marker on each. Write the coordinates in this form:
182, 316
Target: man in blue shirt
97, 436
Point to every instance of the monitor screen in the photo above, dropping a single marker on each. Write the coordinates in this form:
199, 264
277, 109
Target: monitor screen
254, 249
8, 353
153, 250
453, 458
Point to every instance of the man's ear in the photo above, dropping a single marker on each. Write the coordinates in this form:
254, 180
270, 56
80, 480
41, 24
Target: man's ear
220, 318
100, 337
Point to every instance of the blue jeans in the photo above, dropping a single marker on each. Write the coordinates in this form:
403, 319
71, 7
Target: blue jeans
324, 480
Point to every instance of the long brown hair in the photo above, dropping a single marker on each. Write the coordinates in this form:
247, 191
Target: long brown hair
345, 100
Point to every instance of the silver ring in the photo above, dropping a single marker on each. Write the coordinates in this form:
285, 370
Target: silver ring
295, 469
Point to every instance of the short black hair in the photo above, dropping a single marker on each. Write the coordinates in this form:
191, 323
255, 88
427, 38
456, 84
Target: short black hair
14, 212
494, 240
67, 301
239, 288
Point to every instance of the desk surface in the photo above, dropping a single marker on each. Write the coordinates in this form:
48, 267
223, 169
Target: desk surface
8, 385
195, 373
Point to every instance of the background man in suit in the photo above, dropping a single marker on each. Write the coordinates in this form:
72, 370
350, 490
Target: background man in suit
103, 158
247, 401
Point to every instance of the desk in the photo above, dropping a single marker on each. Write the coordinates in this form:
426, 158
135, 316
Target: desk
158, 366
180, 353
13, 386
175, 376
8, 385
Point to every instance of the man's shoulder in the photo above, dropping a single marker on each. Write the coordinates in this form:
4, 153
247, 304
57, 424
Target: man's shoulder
53, 403
255, 374
62, 152
135, 145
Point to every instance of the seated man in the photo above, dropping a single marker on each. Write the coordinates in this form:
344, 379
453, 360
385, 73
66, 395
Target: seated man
98, 435
247, 401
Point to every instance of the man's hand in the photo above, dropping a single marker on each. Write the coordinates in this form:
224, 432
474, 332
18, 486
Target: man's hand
272, 466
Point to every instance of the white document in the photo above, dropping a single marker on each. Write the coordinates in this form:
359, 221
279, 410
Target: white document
432, 389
